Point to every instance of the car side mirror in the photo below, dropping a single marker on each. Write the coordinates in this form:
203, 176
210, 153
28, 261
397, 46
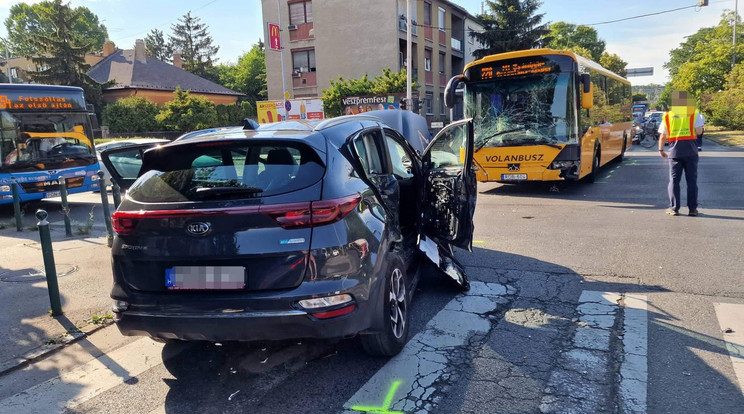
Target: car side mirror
449, 91
587, 91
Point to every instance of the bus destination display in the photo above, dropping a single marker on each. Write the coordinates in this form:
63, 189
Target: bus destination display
13, 102
513, 69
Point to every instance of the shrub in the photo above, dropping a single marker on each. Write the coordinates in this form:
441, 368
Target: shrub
131, 114
187, 113
727, 106
229, 115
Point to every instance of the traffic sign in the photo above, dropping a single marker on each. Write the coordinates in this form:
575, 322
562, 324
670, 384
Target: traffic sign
286, 95
275, 40
640, 72
288, 105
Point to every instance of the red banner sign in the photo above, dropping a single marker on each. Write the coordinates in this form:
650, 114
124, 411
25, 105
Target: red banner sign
275, 40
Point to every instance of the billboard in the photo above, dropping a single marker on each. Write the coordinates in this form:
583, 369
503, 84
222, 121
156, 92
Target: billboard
352, 105
275, 40
273, 111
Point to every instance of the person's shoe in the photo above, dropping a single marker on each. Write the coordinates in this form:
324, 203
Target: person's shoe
693, 213
672, 212
699, 149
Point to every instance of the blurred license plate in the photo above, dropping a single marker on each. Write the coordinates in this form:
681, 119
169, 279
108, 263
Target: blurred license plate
205, 277
513, 177
51, 194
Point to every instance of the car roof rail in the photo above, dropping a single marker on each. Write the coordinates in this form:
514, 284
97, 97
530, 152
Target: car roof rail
344, 119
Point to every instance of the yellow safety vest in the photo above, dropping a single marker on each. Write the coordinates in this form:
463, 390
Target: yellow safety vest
680, 127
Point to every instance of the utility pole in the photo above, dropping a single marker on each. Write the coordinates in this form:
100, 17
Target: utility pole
285, 96
736, 20
409, 58
7, 59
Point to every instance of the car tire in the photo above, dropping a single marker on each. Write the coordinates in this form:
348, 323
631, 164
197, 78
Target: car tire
621, 157
592, 176
395, 314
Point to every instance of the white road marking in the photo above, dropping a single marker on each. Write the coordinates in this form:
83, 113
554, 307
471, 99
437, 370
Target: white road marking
76, 386
731, 319
425, 358
634, 368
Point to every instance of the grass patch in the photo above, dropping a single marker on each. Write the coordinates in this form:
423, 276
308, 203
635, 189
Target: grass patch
85, 229
724, 137
101, 319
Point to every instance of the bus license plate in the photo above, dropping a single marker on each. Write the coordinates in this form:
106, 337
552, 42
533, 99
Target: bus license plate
205, 277
51, 194
513, 177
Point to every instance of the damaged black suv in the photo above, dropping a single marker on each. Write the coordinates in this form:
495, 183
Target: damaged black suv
294, 230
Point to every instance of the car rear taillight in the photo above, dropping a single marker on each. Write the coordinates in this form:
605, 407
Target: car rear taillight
124, 223
316, 213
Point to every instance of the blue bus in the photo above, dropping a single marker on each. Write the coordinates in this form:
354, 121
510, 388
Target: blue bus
45, 133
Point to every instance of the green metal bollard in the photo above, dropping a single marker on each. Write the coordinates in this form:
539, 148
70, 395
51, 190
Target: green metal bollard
116, 192
65, 206
49, 268
106, 211
16, 204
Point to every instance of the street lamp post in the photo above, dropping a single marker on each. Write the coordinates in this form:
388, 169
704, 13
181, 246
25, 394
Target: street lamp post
7, 59
736, 20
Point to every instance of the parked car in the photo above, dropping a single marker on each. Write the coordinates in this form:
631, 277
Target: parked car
151, 142
293, 231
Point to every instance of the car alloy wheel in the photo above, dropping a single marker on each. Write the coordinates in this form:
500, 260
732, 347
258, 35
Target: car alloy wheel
398, 305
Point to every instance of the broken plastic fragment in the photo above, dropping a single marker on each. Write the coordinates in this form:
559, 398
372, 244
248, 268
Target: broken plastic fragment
232, 395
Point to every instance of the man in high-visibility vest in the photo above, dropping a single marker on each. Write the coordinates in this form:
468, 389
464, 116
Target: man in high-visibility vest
680, 127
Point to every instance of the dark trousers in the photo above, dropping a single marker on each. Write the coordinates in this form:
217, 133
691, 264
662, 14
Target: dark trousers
676, 167
700, 141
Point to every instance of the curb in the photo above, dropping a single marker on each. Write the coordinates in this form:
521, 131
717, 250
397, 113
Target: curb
45, 350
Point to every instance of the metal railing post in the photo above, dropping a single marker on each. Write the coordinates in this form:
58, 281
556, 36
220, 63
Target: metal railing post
65, 206
16, 204
106, 210
49, 268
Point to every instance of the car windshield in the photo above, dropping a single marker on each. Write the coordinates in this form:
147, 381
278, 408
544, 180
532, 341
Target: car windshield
224, 172
525, 110
42, 141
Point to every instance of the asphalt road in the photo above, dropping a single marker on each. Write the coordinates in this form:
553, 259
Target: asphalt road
586, 299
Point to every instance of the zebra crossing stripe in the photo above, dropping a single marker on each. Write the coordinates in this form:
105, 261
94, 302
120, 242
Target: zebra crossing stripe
731, 319
76, 386
634, 368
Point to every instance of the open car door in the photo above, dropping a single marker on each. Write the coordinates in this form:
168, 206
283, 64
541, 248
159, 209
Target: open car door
450, 186
124, 163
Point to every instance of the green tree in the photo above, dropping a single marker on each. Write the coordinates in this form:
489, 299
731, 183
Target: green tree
564, 35
131, 114
64, 53
191, 37
510, 25
727, 107
640, 97
613, 62
186, 112
157, 46
26, 21
248, 76
388, 82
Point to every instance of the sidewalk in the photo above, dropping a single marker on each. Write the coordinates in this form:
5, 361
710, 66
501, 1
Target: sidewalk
83, 265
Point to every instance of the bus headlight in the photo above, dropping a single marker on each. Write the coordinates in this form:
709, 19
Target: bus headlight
94, 177
562, 165
5, 189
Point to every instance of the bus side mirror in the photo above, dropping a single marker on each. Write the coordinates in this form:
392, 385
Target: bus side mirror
93, 120
449, 91
587, 92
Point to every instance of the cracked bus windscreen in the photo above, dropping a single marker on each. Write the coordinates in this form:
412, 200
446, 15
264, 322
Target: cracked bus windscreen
524, 110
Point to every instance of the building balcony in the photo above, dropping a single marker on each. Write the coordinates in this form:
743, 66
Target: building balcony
304, 79
302, 31
456, 44
402, 25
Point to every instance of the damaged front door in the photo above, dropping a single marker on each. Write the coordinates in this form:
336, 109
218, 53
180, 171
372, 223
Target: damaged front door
450, 185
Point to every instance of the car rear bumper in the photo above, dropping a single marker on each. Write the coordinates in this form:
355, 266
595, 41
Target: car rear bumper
239, 326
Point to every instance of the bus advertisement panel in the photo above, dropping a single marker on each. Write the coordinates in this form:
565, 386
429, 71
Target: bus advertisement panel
45, 134
528, 119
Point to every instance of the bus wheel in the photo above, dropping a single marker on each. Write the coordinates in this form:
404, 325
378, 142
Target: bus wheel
621, 157
592, 176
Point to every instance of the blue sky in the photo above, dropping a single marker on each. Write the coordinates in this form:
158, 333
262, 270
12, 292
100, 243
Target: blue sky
235, 25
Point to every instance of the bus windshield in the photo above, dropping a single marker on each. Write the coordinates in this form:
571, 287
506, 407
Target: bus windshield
40, 141
522, 110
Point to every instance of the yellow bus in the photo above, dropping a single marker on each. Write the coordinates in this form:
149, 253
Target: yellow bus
544, 115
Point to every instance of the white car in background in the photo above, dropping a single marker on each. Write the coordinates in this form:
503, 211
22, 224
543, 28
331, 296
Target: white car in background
119, 144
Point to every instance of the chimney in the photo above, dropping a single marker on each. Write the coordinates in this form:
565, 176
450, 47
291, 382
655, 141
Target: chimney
108, 48
140, 53
177, 60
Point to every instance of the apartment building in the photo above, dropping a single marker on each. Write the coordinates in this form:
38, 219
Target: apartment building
325, 39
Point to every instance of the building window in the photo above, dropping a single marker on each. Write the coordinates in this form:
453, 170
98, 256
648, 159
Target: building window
303, 61
427, 60
427, 14
429, 103
442, 61
441, 19
441, 104
301, 12
13, 73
